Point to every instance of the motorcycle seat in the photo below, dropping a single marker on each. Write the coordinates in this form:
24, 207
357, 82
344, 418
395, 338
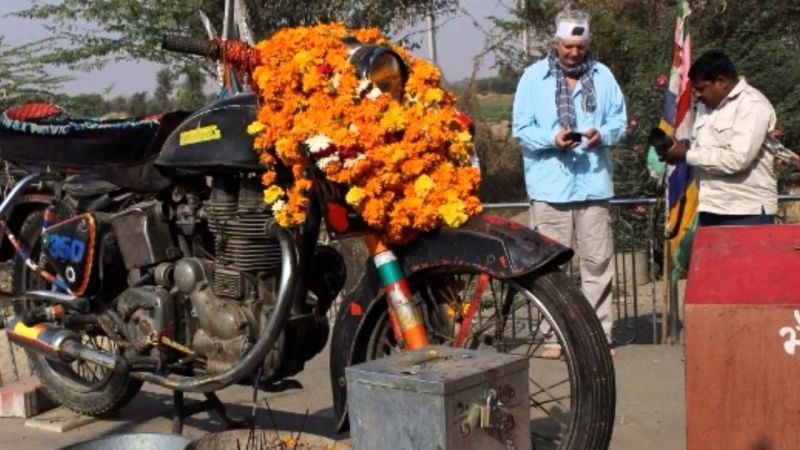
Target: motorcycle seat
38, 136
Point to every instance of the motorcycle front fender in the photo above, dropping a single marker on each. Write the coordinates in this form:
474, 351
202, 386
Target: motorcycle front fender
490, 244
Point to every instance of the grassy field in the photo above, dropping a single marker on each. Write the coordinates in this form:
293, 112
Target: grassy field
495, 107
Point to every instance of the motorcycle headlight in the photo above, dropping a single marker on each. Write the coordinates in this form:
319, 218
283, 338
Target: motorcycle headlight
381, 65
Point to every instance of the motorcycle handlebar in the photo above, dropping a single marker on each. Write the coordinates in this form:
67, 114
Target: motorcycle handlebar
191, 46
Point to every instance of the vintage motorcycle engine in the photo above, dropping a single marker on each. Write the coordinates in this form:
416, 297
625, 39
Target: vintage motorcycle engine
223, 293
231, 295
237, 218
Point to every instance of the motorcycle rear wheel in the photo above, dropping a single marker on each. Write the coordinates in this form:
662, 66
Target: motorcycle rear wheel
572, 399
80, 386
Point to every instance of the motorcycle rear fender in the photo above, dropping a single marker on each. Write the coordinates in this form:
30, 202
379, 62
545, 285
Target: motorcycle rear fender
490, 244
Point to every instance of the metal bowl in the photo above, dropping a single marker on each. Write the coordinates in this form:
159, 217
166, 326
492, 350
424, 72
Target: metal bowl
262, 440
133, 441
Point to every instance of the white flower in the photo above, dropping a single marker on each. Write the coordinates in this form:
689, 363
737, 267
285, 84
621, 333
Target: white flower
348, 163
318, 143
353, 128
374, 93
323, 162
278, 206
335, 80
363, 85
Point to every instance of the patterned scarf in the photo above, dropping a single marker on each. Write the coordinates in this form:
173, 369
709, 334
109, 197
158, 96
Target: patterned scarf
566, 109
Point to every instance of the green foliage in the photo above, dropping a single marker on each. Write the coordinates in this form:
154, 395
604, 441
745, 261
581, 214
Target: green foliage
190, 94
496, 85
86, 105
138, 105
89, 34
763, 43
634, 38
164, 87
86, 35
21, 79
494, 107
98, 106
501, 165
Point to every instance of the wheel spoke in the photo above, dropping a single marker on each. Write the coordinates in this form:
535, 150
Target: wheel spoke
548, 413
546, 438
546, 390
533, 346
488, 325
535, 403
509, 319
558, 418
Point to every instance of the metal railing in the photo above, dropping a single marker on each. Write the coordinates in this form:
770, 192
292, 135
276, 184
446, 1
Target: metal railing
640, 295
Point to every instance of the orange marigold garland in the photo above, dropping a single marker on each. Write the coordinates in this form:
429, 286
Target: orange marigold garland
407, 164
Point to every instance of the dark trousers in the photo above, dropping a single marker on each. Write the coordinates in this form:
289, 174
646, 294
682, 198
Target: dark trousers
705, 219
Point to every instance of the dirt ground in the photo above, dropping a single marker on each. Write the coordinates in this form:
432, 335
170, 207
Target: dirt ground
650, 399
650, 407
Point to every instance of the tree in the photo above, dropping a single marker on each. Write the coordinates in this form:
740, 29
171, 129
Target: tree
165, 84
118, 105
84, 105
123, 29
191, 94
137, 105
20, 78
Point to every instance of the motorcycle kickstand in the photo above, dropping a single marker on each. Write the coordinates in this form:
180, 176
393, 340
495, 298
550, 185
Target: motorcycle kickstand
212, 404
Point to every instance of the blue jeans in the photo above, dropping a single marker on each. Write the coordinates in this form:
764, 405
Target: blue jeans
706, 219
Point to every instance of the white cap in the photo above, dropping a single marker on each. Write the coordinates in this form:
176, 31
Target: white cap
569, 28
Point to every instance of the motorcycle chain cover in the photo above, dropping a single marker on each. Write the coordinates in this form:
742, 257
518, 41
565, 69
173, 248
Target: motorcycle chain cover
70, 247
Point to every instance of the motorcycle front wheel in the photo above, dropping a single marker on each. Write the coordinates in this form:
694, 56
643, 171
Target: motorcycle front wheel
572, 399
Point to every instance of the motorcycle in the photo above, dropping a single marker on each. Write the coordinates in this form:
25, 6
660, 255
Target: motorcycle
157, 264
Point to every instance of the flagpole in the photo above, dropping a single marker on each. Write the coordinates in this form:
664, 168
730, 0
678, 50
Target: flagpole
681, 189
665, 291
674, 313
526, 44
432, 36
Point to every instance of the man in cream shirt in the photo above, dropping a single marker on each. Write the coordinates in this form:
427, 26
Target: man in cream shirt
731, 147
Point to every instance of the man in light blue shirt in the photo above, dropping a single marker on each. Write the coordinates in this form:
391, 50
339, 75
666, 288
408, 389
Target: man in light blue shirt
568, 109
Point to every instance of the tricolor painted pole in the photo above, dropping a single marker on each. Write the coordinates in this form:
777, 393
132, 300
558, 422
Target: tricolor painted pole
398, 294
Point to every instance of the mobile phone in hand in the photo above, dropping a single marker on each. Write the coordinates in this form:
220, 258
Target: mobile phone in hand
660, 141
573, 136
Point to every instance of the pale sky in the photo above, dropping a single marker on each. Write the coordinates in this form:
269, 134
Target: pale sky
458, 42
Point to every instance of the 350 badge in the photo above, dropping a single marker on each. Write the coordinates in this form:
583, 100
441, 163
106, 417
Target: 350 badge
65, 247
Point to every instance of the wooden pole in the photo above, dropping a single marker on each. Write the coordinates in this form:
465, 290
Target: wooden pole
665, 291
526, 40
432, 37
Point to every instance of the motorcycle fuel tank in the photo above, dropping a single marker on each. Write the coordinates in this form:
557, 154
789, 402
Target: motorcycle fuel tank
213, 139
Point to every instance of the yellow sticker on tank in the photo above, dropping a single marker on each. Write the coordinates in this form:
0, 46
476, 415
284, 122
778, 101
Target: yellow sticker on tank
202, 134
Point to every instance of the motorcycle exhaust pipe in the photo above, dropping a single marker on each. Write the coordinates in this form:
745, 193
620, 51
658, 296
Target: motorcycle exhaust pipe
57, 344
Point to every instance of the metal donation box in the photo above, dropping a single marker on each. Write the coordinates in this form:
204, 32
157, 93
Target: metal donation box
743, 338
440, 398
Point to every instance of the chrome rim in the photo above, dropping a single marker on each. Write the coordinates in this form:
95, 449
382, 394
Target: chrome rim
510, 320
